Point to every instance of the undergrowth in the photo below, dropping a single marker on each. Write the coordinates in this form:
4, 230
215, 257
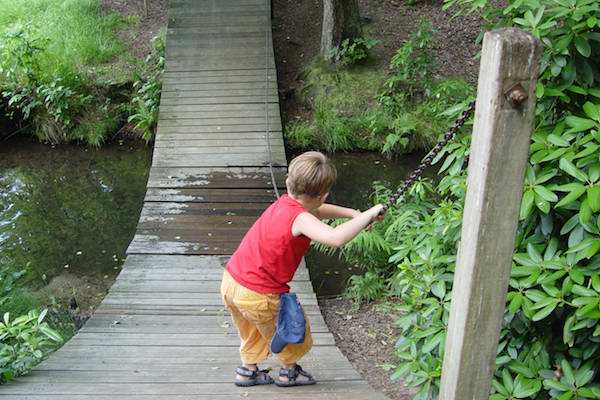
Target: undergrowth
366, 108
60, 69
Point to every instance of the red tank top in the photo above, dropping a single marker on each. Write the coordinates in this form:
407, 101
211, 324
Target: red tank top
268, 256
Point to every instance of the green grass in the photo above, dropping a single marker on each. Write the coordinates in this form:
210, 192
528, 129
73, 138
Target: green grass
78, 35
351, 113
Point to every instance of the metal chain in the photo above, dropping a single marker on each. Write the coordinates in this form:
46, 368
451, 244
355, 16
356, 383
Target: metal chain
426, 162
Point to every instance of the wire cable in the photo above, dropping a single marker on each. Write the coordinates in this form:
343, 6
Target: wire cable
267, 128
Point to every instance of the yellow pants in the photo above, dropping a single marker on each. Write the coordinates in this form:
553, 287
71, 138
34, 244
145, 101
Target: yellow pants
255, 316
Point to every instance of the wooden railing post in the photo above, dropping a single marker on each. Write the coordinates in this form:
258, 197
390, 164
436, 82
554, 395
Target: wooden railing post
499, 150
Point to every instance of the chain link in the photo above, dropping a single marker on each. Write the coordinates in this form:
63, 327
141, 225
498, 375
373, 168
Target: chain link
428, 160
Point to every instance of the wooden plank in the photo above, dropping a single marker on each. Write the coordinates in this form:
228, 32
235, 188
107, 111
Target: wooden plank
166, 151
201, 129
274, 121
153, 243
204, 109
217, 114
214, 177
186, 86
215, 374
230, 79
218, 100
212, 389
497, 164
220, 73
209, 138
173, 324
183, 340
255, 394
218, 161
232, 143
211, 195
182, 285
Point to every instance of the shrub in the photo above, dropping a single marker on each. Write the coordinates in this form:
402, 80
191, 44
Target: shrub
48, 53
24, 342
413, 63
149, 87
352, 51
550, 340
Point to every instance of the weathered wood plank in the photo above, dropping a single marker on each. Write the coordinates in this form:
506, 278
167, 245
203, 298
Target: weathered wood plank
229, 79
162, 389
217, 160
497, 164
166, 142
183, 340
214, 177
220, 373
274, 121
363, 394
219, 100
201, 130
187, 86
217, 114
210, 195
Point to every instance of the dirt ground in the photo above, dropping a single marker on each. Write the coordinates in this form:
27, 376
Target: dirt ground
367, 337
297, 32
138, 36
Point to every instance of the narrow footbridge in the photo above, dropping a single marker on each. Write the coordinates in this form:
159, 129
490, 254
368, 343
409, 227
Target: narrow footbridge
162, 332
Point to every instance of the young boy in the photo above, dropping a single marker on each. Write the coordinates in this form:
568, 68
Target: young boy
267, 258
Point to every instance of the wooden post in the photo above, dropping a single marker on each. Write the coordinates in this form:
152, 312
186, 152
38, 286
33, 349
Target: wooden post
504, 117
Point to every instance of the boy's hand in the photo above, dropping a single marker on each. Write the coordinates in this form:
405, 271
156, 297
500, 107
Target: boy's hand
377, 214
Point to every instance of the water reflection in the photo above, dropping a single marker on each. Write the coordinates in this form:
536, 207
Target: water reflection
357, 173
68, 209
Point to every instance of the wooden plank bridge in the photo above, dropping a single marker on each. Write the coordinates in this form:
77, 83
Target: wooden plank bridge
162, 332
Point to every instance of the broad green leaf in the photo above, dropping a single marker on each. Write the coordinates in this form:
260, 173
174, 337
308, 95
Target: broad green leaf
545, 193
570, 224
515, 303
585, 212
567, 372
593, 197
552, 384
558, 141
507, 381
542, 204
527, 204
51, 333
533, 253
579, 124
583, 46
572, 170
439, 289
544, 312
592, 111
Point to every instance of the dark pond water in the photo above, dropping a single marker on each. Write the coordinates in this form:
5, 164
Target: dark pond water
69, 210
356, 174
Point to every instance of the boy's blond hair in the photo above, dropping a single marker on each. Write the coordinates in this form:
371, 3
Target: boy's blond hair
311, 174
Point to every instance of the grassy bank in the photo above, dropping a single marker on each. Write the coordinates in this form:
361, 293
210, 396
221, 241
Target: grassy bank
359, 104
65, 73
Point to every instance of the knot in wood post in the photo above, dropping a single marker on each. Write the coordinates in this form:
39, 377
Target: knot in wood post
516, 95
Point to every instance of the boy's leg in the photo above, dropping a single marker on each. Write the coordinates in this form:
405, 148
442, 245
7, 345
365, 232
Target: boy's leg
291, 354
253, 348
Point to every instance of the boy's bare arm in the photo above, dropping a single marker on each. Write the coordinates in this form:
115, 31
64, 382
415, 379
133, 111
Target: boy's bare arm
331, 211
307, 224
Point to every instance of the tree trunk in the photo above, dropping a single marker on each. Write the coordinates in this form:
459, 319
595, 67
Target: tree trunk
341, 20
